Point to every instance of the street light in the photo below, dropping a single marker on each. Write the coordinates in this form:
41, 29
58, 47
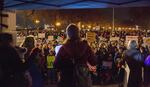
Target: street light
119, 28
82, 26
89, 26
37, 21
58, 24
109, 27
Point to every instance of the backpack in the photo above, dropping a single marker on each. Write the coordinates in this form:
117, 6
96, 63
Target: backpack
81, 74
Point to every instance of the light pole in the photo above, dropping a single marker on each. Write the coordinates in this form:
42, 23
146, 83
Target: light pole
113, 19
37, 22
58, 24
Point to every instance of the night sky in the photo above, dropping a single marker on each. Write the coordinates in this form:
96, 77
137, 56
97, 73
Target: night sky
124, 17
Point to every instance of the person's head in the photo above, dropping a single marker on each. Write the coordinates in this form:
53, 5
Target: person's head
132, 44
6, 38
120, 49
72, 32
29, 42
103, 45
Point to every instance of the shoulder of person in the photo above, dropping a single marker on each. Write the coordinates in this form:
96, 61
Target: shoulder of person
84, 42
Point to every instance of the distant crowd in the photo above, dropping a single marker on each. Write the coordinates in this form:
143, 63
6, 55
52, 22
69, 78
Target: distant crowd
35, 63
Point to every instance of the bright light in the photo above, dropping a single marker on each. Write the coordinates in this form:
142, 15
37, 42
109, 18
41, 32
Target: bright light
109, 27
37, 21
130, 28
89, 26
119, 28
82, 26
103, 27
58, 23
133, 29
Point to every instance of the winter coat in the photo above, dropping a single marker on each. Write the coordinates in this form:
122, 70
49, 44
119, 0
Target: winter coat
12, 67
135, 66
68, 50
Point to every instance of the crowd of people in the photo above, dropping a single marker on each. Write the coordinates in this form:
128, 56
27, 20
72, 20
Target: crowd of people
36, 64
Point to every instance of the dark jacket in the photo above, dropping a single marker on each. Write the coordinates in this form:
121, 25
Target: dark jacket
77, 49
12, 67
135, 76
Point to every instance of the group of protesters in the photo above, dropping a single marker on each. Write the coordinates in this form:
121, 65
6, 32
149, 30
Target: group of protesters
37, 64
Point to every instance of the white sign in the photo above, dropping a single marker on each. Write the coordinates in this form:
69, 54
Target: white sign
50, 38
41, 35
114, 39
20, 40
91, 36
129, 38
102, 39
46, 26
97, 28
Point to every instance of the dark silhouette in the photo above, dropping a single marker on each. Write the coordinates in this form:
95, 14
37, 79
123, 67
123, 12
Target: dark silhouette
11, 66
36, 67
134, 60
73, 48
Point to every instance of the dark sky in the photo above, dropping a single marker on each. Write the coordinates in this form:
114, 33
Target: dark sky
123, 16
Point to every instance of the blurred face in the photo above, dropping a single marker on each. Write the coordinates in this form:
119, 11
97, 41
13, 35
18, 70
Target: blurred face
120, 50
49, 46
104, 46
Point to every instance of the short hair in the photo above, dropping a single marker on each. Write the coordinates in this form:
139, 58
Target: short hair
132, 44
6, 38
72, 31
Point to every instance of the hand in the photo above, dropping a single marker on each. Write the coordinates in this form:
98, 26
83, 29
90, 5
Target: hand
91, 68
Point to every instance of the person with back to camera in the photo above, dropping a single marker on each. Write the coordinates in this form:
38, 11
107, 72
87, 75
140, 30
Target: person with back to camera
134, 59
12, 68
74, 60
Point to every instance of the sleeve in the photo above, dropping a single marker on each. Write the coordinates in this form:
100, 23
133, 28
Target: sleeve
91, 57
115, 57
17, 64
58, 59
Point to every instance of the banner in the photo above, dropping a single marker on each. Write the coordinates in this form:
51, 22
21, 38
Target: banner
146, 41
41, 35
102, 39
129, 38
91, 36
114, 38
20, 40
